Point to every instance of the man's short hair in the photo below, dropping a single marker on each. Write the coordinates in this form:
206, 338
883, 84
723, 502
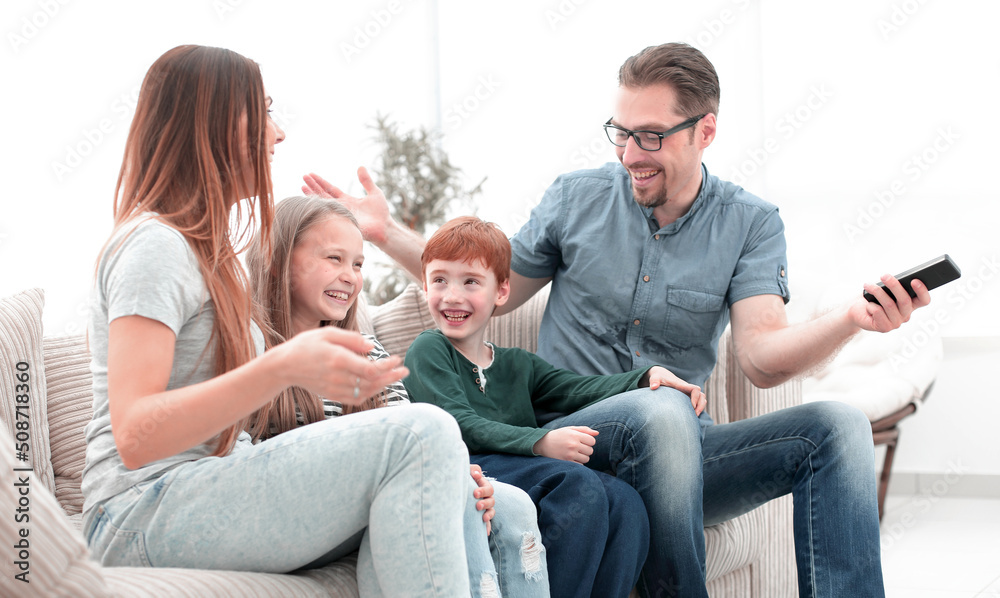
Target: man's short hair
469, 239
682, 67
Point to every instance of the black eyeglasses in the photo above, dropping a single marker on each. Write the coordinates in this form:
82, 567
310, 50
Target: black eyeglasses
650, 141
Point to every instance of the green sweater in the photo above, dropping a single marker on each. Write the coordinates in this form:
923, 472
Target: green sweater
495, 411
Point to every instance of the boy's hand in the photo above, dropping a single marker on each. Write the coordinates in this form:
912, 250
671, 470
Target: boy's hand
484, 493
657, 376
572, 443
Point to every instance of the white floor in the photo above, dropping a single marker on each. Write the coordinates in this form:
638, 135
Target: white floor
939, 546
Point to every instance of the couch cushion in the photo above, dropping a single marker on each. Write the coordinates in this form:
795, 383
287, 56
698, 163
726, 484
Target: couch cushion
70, 406
879, 373
734, 544
56, 557
22, 383
338, 579
397, 322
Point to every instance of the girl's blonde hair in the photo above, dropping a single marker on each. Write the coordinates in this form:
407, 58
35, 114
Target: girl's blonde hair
271, 283
196, 147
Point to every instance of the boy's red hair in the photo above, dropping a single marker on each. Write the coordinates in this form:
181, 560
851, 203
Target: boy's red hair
468, 239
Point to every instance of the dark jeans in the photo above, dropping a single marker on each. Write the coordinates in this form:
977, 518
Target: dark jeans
594, 526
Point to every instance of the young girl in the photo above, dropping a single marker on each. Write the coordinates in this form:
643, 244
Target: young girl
312, 278
172, 477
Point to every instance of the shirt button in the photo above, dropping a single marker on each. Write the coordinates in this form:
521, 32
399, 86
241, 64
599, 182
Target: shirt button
782, 272
475, 370
637, 354
645, 279
477, 381
657, 237
636, 322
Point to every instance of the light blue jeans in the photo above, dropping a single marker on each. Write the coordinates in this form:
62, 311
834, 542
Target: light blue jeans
691, 475
387, 482
511, 562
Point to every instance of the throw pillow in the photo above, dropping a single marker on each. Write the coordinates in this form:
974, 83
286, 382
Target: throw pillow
23, 410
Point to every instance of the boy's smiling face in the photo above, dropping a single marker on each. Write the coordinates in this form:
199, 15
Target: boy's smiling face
462, 297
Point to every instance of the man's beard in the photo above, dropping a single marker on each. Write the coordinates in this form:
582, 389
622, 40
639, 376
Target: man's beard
651, 198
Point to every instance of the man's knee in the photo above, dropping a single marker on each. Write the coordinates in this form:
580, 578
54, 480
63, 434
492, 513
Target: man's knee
839, 416
847, 425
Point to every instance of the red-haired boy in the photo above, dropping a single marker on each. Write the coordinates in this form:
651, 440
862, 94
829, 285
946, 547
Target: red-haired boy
594, 526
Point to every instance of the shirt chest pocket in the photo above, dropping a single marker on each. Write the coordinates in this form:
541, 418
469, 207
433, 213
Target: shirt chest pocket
692, 317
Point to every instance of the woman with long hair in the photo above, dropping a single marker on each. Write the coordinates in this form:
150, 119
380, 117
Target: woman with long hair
311, 278
172, 477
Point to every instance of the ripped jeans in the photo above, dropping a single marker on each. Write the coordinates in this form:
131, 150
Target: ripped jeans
512, 562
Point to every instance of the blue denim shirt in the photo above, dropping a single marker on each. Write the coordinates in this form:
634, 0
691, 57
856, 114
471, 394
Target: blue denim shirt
627, 294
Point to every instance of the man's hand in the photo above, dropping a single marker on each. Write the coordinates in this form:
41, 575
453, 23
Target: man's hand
887, 314
372, 210
484, 496
572, 443
657, 376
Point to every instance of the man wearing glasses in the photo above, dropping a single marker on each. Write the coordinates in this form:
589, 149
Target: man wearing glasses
649, 259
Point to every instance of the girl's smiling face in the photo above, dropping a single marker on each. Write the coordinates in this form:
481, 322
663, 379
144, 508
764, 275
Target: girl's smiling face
325, 272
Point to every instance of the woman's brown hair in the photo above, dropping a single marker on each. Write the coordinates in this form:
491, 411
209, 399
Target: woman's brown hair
197, 147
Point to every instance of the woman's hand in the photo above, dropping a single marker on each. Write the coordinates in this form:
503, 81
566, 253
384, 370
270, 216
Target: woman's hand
333, 363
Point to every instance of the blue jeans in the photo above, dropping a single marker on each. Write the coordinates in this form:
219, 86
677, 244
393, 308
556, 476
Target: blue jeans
690, 476
511, 561
385, 482
593, 526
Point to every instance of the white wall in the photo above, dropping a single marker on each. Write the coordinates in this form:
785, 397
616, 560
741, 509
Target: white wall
826, 107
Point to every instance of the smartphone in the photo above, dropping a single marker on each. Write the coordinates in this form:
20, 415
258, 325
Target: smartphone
933, 274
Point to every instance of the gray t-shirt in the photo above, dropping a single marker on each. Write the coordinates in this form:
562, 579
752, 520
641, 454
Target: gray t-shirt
152, 273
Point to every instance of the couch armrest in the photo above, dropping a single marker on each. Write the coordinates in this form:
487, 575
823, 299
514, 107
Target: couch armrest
774, 574
745, 400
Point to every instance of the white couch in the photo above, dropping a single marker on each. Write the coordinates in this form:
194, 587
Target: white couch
748, 556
